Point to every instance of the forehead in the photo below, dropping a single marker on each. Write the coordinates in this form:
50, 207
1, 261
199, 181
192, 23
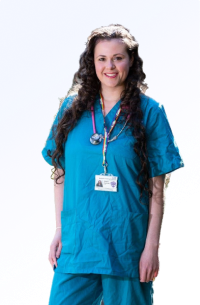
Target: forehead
109, 47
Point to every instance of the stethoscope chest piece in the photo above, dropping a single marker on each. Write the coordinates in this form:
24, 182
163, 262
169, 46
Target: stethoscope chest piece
96, 138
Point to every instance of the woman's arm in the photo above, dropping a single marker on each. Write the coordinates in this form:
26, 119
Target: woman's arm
149, 263
56, 246
156, 210
58, 196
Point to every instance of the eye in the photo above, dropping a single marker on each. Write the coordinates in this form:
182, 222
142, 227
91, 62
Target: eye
118, 57
101, 59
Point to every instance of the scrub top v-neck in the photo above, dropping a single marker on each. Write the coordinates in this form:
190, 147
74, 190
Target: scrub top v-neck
110, 115
105, 232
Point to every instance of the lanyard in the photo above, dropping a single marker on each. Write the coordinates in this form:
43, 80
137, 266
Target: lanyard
106, 132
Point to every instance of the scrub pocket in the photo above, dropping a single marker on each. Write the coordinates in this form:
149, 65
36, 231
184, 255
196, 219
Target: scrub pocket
121, 233
68, 231
128, 232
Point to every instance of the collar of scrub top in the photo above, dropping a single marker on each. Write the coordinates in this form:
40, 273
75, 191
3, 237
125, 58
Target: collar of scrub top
96, 108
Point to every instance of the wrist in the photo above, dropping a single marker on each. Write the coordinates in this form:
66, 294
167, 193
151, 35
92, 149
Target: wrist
151, 245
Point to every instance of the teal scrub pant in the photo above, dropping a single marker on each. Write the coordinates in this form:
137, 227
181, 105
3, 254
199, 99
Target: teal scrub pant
89, 289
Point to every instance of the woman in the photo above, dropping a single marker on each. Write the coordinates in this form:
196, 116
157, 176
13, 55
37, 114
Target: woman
107, 238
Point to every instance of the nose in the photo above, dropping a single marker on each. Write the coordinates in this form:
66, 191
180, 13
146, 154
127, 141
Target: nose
110, 64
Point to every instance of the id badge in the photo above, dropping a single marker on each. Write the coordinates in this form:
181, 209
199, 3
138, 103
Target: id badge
106, 183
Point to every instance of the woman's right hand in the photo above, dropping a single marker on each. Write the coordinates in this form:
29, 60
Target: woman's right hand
55, 248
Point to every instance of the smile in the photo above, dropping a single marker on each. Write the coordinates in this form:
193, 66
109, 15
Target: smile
111, 75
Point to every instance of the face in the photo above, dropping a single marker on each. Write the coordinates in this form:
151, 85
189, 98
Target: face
112, 62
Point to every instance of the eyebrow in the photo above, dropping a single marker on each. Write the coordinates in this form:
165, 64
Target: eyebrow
113, 55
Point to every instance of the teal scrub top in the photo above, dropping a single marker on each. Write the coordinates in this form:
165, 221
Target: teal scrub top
105, 232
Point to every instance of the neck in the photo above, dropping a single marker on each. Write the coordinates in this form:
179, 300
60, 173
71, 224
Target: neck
111, 95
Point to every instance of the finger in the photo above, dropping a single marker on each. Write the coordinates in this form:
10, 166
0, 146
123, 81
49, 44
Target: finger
59, 250
153, 275
143, 276
156, 273
54, 260
53, 254
142, 279
51, 261
149, 275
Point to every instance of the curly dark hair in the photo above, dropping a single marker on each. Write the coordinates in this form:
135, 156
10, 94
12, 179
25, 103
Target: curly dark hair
87, 86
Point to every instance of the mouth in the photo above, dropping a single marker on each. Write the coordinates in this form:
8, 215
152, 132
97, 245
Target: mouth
111, 75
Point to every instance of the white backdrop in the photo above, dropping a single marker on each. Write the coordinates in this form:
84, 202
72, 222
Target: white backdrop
41, 42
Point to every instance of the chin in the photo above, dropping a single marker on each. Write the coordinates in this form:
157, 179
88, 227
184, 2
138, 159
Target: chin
111, 85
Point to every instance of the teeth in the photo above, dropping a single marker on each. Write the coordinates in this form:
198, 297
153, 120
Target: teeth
111, 74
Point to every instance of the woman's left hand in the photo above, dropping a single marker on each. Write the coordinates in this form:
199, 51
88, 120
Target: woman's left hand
149, 264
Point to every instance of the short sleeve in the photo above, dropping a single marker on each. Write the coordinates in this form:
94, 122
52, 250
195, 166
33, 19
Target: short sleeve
50, 144
163, 153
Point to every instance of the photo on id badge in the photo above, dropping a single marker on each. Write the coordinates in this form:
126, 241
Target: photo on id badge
106, 183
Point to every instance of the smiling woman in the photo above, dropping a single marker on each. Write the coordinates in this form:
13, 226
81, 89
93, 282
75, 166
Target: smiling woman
111, 147
112, 68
